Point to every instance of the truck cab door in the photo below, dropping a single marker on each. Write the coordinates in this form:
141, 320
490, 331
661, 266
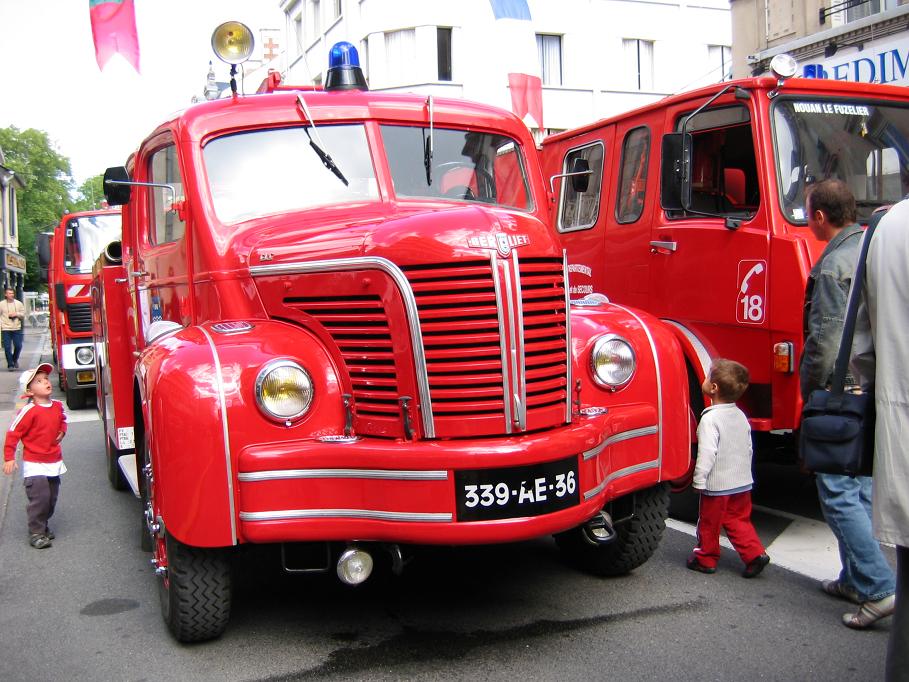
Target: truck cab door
159, 272
709, 265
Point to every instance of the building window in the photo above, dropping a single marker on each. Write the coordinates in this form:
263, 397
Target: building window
720, 59
579, 210
401, 53
443, 47
315, 20
334, 10
164, 169
549, 49
633, 182
639, 63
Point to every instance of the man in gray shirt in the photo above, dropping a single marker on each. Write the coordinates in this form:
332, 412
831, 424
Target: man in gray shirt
866, 578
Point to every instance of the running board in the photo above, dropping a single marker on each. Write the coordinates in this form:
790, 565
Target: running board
127, 464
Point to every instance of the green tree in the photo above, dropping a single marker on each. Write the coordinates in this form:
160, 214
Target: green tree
46, 197
90, 194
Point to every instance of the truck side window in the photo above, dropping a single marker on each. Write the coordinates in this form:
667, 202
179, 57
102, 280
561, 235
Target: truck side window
580, 210
633, 181
164, 168
724, 178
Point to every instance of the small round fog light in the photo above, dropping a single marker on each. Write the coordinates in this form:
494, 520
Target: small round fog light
354, 566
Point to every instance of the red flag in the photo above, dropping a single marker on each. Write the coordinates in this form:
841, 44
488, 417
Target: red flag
114, 30
526, 96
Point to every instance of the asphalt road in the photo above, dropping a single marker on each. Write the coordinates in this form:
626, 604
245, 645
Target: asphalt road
87, 609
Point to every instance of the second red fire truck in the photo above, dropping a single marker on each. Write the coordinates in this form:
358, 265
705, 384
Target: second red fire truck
695, 212
341, 327
67, 255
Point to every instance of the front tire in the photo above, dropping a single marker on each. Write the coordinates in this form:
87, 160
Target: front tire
637, 535
75, 398
195, 592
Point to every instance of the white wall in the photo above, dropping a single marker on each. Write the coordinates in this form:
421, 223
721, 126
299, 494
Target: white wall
595, 80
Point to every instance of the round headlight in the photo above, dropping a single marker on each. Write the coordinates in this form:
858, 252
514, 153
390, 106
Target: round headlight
283, 390
85, 355
612, 361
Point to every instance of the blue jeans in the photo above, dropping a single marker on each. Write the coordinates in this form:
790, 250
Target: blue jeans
12, 346
846, 503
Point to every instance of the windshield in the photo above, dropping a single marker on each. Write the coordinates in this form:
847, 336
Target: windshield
865, 145
464, 166
277, 170
85, 240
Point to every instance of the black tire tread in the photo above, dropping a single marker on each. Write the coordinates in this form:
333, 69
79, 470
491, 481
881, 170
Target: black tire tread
636, 539
196, 603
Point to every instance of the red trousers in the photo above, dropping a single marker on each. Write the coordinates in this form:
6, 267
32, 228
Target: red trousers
733, 514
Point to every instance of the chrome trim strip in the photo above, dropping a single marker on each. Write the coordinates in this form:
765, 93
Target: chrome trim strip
703, 354
568, 357
225, 434
520, 349
627, 471
659, 379
376, 515
512, 346
384, 474
410, 306
503, 339
618, 438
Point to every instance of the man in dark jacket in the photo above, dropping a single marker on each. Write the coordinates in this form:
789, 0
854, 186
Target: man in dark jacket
866, 578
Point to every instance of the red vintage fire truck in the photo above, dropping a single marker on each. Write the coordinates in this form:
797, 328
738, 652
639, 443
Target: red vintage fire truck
67, 256
341, 326
695, 212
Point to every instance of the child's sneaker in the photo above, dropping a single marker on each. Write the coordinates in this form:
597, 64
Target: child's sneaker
756, 566
696, 565
39, 541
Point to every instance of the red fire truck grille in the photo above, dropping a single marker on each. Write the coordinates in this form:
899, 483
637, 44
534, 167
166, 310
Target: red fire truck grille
79, 317
494, 340
359, 326
464, 318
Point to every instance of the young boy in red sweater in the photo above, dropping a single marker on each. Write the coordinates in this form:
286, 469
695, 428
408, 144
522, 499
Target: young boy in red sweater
40, 425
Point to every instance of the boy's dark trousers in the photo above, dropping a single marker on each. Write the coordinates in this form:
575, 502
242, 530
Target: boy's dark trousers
731, 513
41, 492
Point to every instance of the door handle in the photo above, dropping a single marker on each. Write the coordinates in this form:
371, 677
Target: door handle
138, 273
666, 246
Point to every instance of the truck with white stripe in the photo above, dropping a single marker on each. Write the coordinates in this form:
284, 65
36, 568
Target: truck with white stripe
67, 256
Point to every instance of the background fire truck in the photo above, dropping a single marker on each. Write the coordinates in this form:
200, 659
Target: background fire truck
67, 256
340, 329
695, 212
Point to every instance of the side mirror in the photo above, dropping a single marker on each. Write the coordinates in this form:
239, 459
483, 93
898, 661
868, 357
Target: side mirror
42, 243
116, 188
580, 175
675, 186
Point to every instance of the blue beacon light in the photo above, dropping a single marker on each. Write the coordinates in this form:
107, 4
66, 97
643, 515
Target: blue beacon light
344, 72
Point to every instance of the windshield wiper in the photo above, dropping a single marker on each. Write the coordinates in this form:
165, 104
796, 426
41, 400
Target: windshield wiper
427, 144
324, 157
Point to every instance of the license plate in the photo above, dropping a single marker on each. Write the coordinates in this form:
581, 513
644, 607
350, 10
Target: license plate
488, 494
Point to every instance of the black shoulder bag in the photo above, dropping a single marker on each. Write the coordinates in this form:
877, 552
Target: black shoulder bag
837, 432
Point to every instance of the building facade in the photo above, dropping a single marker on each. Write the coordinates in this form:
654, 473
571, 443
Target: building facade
594, 57
12, 263
856, 40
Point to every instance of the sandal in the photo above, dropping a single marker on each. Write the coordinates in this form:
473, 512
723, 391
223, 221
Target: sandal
39, 541
870, 613
835, 588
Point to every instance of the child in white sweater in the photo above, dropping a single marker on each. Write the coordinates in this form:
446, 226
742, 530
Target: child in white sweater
722, 474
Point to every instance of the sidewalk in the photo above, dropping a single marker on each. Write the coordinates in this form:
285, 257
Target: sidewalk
35, 348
